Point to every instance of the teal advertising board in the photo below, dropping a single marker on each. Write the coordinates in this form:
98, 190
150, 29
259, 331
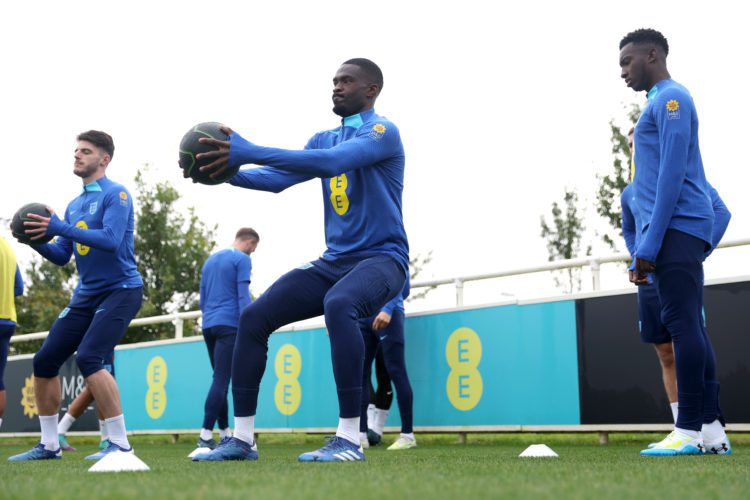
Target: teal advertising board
502, 365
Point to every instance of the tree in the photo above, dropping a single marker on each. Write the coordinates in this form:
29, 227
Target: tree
612, 184
170, 250
416, 265
564, 238
48, 288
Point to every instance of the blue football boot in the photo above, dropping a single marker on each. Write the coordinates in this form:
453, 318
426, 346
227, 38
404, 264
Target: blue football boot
106, 451
229, 449
38, 452
337, 449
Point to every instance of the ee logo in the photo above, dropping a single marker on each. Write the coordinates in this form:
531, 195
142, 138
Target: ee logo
82, 249
288, 392
156, 397
339, 200
463, 353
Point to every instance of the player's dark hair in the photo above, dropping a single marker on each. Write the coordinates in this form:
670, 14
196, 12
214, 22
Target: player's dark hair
632, 130
371, 70
646, 36
100, 139
247, 233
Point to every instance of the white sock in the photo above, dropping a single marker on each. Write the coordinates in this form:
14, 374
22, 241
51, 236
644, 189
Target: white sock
225, 433
206, 434
689, 433
116, 430
370, 413
244, 429
713, 431
363, 437
349, 429
378, 423
674, 406
49, 432
65, 423
409, 436
1, 422
103, 429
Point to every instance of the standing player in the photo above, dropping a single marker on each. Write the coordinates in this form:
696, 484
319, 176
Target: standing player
224, 293
361, 166
649, 308
673, 202
385, 330
380, 401
98, 229
11, 285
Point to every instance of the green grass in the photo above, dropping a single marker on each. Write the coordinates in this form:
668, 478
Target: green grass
487, 466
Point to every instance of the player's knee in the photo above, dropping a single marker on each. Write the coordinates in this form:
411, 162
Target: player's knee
665, 353
338, 307
89, 363
253, 324
45, 364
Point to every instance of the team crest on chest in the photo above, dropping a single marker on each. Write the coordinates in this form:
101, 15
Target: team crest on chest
92, 208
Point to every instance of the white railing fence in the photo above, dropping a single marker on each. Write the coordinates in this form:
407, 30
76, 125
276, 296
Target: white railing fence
594, 263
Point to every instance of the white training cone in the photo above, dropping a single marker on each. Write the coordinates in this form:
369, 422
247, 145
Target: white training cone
538, 450
118, 461
199, 450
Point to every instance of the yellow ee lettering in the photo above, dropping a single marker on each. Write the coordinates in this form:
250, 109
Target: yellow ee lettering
339, 200
288, 391
156, 397
463, 352
82, 249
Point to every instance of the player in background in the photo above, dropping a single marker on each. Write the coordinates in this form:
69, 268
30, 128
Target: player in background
361, 167
98, 228
649, 308
78, 406
224, 293
385, 331
11, 286
673, 202
380, 402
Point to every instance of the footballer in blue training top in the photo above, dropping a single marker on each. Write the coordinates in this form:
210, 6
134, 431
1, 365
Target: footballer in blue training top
224, 293
674, 207
98, 229
361, 167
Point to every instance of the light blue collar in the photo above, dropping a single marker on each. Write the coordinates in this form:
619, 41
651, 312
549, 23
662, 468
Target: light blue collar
356, 121
655, 89
91, 187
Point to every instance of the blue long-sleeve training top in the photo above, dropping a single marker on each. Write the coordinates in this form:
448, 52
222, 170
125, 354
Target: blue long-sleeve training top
632, 224
224, 289
98, 227
361, 166
669, 181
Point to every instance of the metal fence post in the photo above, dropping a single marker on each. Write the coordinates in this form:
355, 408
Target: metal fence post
178, 324
459, 292
595, 273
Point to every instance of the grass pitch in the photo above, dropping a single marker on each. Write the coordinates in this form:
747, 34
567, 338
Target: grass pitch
487, 466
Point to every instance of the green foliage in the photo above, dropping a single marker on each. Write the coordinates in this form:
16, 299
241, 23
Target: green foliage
170, 249
564, 238
612, 184
48, 288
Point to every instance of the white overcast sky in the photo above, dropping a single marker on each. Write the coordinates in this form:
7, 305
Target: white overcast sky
501, 105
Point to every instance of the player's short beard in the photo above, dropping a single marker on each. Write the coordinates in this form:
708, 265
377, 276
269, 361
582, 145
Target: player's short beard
88, 172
